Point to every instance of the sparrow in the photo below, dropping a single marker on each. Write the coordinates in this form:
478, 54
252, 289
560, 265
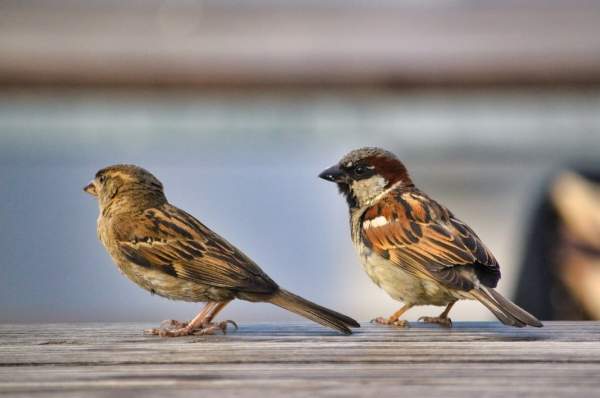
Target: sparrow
168, 252
413, 247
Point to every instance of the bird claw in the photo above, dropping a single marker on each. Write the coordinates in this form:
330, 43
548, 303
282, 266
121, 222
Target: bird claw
173, 328
233, 323
162, 332
173, 324
211, 328
401, 323
446, 322
165, 327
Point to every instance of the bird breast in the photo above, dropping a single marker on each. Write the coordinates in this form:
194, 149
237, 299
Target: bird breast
402, 285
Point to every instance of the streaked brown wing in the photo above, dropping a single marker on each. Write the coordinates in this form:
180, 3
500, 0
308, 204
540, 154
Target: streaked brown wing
174, 242
417, 233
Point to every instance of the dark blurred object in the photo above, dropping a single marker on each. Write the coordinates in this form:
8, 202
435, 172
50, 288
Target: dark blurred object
560, 277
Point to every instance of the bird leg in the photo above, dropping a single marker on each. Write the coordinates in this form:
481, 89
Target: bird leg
200, 325
395, 318
442, 319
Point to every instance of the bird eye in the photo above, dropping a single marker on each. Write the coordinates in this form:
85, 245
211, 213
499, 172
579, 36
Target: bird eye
102, 179
360, 170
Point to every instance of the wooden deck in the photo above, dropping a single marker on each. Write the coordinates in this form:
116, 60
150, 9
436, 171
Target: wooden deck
264, 360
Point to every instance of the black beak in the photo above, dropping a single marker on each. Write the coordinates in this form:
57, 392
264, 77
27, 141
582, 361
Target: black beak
333, 174
91, 189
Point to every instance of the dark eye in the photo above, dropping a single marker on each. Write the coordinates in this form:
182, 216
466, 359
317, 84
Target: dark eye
102, 179
360, 170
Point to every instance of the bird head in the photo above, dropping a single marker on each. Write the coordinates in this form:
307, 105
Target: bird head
122, 182
364, 174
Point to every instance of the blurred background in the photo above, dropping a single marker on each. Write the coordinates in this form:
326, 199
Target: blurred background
238, 105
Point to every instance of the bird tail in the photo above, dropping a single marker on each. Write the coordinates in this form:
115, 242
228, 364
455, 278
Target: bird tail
505, 310
314, 312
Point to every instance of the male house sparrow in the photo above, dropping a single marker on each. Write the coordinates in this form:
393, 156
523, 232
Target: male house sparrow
168, 252
413, 247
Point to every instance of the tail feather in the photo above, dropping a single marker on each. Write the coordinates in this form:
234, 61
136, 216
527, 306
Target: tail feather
505, 310
312, 311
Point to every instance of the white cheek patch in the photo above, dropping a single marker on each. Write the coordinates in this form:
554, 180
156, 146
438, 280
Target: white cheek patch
376, 222
369, 188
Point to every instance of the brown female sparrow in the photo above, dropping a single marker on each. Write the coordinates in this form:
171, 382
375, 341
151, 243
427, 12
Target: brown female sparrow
411, 246
168, 252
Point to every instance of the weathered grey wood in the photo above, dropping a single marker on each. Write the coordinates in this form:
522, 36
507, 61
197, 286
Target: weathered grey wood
297, 359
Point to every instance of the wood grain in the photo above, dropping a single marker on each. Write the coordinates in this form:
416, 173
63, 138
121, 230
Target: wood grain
297, 359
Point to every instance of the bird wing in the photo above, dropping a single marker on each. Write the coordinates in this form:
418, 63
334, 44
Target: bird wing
170, 240
416, 233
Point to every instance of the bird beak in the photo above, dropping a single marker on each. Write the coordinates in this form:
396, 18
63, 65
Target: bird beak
333, 174
91, 189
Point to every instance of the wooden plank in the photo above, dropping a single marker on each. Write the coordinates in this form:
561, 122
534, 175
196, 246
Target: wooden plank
220, 42
298, 359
